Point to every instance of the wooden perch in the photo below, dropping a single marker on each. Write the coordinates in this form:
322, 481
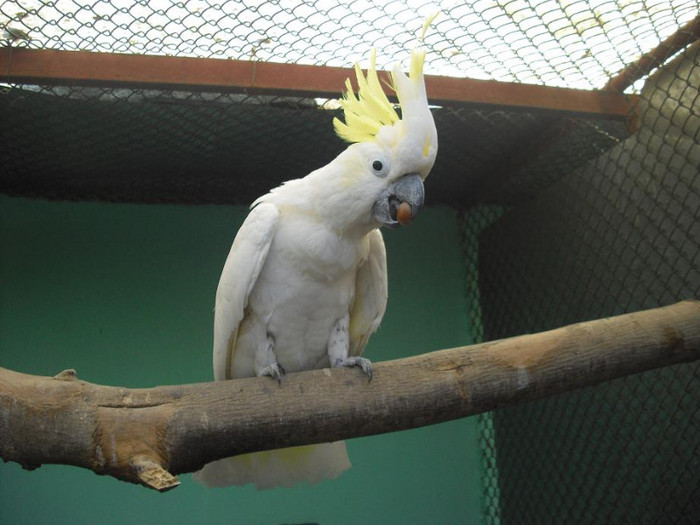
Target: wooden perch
148, 435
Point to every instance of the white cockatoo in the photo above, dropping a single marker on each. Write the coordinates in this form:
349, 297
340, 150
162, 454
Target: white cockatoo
305, 282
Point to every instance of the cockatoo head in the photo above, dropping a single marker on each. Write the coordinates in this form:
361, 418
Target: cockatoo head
390, 157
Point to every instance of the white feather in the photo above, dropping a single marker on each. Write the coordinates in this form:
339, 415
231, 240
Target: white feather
308, 262
371, 293
290, 278
243, 265
278, 468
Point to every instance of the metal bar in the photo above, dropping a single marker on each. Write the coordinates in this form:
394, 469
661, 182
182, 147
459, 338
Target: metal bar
678, 41
46, 66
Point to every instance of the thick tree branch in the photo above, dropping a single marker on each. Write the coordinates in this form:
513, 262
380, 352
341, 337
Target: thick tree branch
147, 435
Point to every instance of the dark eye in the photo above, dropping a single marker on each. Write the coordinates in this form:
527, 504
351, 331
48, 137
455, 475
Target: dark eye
379, 165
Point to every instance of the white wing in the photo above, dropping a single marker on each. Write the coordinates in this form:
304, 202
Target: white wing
371, 292
243, 265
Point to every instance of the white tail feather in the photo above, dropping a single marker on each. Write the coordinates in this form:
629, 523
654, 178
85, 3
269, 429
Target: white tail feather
278, 468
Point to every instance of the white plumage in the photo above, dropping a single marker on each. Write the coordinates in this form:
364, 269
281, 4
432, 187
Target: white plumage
305, 283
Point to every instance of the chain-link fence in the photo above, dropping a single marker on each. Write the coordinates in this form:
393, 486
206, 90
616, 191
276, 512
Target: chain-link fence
618, 235
565, 217
577, 43
181, 146
186, 146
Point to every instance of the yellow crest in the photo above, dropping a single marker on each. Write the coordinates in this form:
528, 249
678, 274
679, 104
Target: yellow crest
367, 112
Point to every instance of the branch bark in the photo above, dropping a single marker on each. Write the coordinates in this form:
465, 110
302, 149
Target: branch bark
149, 435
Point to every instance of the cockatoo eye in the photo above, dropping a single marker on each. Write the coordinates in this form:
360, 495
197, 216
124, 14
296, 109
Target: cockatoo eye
380, 166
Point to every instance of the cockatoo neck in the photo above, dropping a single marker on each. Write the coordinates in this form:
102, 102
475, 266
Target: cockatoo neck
343, 195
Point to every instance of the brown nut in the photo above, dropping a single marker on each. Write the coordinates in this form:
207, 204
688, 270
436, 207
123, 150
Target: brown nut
404, 214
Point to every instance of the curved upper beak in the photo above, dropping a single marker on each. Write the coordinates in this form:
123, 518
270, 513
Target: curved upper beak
400, 202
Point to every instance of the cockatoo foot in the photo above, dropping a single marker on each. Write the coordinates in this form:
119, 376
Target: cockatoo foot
275, 371
362, 362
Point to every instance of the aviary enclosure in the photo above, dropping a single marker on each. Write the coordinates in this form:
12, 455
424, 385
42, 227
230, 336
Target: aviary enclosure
566, 189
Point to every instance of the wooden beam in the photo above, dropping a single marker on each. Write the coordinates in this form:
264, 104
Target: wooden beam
678, 41
47, 66
148, 435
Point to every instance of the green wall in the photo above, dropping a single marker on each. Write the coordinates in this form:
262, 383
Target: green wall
124, 294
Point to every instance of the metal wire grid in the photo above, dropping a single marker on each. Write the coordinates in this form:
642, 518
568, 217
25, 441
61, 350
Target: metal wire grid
174, 146
572, 43
473, 223
619, 235
155, 146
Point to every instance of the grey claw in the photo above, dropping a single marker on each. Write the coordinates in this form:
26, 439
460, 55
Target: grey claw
361, 362
275, 371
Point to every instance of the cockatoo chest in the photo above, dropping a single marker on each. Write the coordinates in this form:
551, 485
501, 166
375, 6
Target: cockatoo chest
306, 285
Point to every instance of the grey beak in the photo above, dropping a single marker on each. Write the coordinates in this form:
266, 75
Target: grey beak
400, 202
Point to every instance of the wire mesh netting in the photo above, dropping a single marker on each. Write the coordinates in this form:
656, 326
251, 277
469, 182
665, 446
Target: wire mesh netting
153, 146
618, 235
567, 218
166, 146
576, 43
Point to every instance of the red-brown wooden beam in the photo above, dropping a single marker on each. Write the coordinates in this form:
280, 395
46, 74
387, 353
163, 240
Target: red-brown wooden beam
678, 41
46, 66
